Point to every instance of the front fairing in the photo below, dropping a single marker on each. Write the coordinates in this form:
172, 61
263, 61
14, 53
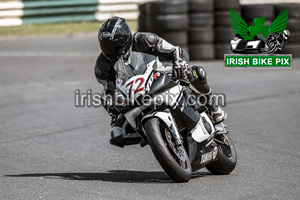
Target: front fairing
136, 64
132, 74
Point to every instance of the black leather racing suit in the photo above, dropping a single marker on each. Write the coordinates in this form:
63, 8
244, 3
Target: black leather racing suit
148, 43
142, 42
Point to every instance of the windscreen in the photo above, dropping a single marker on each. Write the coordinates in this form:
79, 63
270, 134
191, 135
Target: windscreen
135, 65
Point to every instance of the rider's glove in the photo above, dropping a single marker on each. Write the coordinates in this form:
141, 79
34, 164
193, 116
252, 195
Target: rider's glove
181, 70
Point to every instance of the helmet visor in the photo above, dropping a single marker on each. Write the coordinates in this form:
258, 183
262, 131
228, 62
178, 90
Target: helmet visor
111, 49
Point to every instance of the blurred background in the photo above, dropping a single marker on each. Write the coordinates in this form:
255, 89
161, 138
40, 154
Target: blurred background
50, 149
202, 27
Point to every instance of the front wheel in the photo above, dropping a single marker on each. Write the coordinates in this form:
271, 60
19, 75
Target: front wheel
227, 157
173, 159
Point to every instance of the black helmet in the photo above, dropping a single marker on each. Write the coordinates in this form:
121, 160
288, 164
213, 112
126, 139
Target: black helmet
115, 38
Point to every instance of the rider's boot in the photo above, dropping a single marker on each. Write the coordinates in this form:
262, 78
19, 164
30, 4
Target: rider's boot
122, 133
117, 131
198, 83
214, 110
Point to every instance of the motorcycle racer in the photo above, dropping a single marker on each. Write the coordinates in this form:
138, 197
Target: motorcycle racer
277, 41
116, 41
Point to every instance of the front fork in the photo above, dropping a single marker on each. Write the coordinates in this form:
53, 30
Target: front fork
167, 118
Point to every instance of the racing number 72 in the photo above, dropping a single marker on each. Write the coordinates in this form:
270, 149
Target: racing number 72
138, 88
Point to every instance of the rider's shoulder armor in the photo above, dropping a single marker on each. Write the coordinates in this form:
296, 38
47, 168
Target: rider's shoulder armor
144, 42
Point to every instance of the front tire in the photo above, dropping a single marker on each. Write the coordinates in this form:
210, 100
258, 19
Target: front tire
167, 154
227, 157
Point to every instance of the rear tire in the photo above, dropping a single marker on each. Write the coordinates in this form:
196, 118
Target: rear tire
179, 171
227, 157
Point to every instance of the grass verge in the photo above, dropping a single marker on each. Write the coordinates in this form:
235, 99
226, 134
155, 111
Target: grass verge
54, 29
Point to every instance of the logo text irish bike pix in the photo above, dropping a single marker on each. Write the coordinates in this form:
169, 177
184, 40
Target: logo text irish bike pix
258, 45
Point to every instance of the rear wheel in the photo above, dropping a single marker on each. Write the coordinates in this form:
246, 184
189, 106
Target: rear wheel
227, 157
173, 159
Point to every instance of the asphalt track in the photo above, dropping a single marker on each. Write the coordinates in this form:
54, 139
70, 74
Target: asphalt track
49, 149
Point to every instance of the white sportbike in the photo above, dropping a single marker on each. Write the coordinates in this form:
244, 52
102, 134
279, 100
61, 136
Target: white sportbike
158, 109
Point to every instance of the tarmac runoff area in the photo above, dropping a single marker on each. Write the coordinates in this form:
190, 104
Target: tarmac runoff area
49, 149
